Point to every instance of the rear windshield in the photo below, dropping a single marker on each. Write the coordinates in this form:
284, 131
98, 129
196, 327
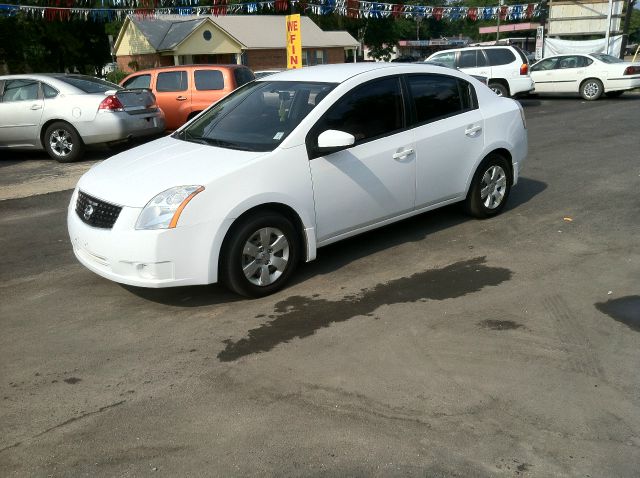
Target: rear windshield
523, 57
89, 84
606, 58
243, 75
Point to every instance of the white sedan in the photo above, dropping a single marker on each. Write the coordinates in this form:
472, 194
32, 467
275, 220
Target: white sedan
293, 162
590, 75
61, 113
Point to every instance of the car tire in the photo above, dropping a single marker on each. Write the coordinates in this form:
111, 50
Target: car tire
591, 89
62, 142
259, 254
499, 89
490, 187
613, 94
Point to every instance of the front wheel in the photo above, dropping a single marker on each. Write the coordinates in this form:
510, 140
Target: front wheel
591, 89
259, 254
490, 187
62, 142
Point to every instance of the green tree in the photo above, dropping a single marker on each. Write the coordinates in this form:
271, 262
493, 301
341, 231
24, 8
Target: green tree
40, 46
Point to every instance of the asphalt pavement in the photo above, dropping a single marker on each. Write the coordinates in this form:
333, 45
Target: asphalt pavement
441, 346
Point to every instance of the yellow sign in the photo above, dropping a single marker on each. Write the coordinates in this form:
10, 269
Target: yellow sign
294, 41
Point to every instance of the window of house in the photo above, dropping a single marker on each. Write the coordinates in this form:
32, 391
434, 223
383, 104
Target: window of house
172, 81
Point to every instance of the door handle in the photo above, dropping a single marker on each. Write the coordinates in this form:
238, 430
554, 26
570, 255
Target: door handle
473, 130
181, 98
402, 154
36, 107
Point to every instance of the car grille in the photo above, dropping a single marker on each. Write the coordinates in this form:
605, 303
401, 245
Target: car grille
95, 212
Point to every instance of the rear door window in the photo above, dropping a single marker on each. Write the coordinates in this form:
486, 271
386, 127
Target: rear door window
172, 81
499, 56
439, 96
140, 81
468, 59
208, 80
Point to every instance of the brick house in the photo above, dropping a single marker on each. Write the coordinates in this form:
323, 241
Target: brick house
257, 41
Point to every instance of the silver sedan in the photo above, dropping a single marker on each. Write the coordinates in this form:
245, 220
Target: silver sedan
62, 113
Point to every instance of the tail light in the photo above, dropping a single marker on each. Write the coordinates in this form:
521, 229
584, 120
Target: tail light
524, 69
632, 70
111, 103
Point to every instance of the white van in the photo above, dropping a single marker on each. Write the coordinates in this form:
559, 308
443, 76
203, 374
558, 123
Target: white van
506, 67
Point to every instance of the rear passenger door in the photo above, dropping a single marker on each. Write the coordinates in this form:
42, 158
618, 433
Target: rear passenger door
174, 97
449, 136
209, 86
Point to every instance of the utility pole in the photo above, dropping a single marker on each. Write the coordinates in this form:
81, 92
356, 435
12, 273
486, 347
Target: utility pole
498, 29
608, 34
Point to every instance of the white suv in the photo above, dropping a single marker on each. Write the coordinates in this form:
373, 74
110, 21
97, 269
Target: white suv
506, 67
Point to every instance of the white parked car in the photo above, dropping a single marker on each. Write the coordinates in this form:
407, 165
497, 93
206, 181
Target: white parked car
293, 162
61, 113
506, 67
589, 75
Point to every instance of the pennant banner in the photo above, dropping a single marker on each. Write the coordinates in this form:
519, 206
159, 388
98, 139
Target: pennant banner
110, 10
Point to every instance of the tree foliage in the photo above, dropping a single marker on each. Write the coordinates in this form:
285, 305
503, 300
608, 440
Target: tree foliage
29, 45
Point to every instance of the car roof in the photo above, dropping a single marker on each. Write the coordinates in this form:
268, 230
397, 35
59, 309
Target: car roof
340, 72
213, 66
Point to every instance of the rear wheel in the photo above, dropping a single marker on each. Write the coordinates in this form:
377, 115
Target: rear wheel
591, 89
62, 142
259, 254
490, 187
499, 89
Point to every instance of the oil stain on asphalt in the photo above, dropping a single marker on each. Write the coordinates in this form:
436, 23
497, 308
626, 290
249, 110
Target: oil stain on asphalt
299, 317
499, 324
623, 309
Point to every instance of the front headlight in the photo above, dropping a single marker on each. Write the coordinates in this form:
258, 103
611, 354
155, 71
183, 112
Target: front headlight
164, 210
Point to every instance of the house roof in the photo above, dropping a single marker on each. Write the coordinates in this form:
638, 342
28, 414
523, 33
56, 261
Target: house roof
251, 31
166, 34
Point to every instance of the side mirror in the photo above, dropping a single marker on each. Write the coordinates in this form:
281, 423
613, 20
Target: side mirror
332, 139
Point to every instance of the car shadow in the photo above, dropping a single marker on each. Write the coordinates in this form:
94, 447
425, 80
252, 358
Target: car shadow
335, 256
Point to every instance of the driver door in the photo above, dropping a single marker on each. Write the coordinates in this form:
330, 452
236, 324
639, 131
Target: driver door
372, 180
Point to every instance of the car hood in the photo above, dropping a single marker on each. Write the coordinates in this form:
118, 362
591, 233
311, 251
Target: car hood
134, 177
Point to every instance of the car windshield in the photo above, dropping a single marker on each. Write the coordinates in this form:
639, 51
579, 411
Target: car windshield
257, 116
606, 58
89, 84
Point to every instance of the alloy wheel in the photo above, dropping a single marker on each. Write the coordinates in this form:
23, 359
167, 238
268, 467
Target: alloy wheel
494, 187
265, 256
61, 142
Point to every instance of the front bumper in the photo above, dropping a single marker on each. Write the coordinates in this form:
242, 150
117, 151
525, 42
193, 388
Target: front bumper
160, 258
111, 126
